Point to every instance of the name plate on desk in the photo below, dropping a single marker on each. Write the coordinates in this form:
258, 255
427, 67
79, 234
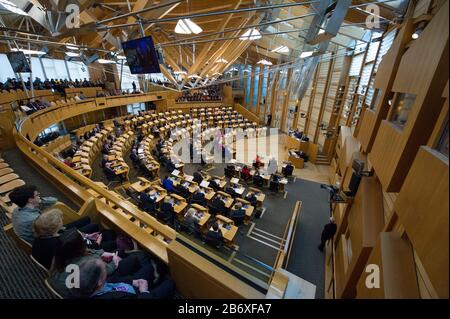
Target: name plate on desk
204, 183
175, 172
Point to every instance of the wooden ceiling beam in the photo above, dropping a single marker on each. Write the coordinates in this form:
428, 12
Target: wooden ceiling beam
200, 59
220, 52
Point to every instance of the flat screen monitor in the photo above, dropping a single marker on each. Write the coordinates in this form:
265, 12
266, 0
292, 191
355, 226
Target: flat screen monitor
19, 62
141, 56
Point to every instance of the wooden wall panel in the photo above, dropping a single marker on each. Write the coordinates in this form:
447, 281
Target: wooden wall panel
422, 207
394, 257
426, 81
365, 222
197, 277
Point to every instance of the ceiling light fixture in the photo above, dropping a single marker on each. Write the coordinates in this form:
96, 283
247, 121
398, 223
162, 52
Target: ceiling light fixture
71, 47
306, 54
103, 61
281, 49
121, 57
34, 52
72, 54
221, 60
186, 26
251, 34
194, 76
180, 72
264, 62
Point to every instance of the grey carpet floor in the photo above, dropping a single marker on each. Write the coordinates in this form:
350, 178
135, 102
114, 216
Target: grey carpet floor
20, 277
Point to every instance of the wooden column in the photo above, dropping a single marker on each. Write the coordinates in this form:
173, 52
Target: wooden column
285, 102
260, 86
324, 99
252, 88
274, 94
311, 100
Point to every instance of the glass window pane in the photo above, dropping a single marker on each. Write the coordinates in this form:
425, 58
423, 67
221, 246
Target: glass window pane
442, 146
7, 71
248, 85
36, 68
402, 106
128, 78
255, 86
376, 96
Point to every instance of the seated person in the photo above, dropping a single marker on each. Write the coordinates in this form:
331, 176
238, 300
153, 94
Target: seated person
47, 229
219, 205
245, 173
72, 250
275, 178
108, 170
214, 235
94, 284
214, 185
29, 203
134, 155
181, 190
168, 184
198, 177
148, 201
192, 218
287, 170
167, 212
199, 197
160, 144
170, 165
297, 134
238, 213
104, 160
257, 162
251, 197
231, 191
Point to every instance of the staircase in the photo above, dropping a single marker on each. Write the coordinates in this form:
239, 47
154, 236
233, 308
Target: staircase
322, 160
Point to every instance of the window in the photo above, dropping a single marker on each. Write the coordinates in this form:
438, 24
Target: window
248, 85
127, 78
264, 86
36, 69
55, 69
402, 106
374, 100
50, 129
255, 87
442, 146
7, 71
78, 70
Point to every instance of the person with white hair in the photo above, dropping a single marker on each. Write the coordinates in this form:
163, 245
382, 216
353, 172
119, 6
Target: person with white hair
327, 233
